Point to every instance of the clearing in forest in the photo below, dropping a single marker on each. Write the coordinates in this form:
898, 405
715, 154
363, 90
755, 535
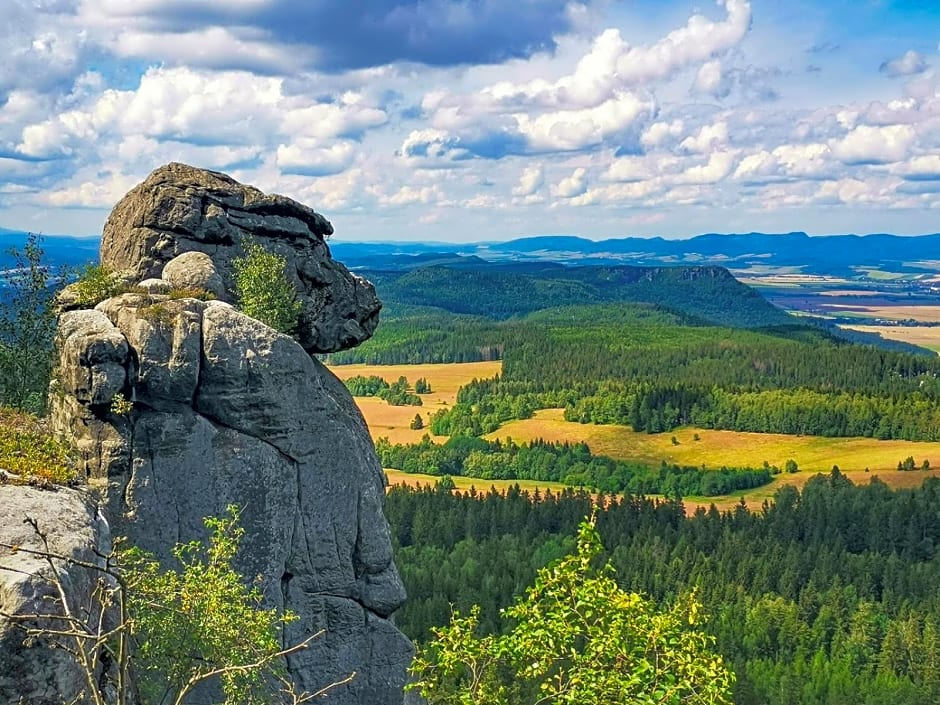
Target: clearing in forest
813, 454
925, 336
924, 314
729, 448
393, 422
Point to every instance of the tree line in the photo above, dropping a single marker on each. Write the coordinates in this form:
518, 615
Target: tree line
827, 596
570, 463
397, 393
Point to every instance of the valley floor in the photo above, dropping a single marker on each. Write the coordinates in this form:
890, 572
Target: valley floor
860, 459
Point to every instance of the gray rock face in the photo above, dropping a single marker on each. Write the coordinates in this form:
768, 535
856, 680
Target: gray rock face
180, 209
226, 410
194, 270
41, 675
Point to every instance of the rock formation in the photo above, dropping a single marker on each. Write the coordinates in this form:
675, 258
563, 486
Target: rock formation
40, 675
226, 410
180, 209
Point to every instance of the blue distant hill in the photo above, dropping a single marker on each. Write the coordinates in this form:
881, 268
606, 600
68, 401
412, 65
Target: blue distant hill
828, 254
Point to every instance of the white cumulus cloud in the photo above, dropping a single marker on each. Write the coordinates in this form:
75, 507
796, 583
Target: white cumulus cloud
708, 78
719, 165
908, 64
573, 185
659, 132
706, 139
874, 145
532, 179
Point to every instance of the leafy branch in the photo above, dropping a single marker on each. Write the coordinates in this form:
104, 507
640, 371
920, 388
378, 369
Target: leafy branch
152, 636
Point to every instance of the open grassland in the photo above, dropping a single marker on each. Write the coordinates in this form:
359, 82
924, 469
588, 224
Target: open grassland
850, 292
756, 497
786, 280
925, 336
813, 454
880, 275
753, 499
717, 448
925, 314
393, 421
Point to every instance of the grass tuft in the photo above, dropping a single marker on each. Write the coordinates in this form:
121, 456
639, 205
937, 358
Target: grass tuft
30, 454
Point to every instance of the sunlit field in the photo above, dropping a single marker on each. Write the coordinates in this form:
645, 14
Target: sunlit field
924, 314
813, 454
925, 336
393, 421
717, 448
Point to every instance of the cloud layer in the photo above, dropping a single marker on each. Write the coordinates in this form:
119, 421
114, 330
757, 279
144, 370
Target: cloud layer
478, 119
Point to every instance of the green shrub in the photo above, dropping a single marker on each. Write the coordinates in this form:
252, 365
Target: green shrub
170, 631
202, 618
157, 314
95, 283
263, 290
575, 636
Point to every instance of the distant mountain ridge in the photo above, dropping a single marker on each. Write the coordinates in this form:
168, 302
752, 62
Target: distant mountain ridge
518, 276
817, 254
829, 254
503, 290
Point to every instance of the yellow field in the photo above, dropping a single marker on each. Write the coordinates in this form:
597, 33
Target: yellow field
752, 277
850, 292
717, 448
926, 314
813, 454
754, 499
393, 421
397, 477
925, 336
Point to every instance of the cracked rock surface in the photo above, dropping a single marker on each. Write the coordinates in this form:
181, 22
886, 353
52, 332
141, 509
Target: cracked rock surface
43, 675
180, 209
226, 410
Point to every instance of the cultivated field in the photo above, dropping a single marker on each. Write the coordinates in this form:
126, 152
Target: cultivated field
813, 454
925, 336
393, 421
786, 280
925, 314
717, 448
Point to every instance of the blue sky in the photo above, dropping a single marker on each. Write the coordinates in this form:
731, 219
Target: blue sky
483, 119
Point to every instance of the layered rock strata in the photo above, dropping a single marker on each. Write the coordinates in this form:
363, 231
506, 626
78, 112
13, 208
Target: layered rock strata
180, 209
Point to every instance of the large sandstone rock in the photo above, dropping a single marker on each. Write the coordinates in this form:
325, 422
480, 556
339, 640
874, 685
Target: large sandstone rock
180, 209
229, 411
41, 675
224, 410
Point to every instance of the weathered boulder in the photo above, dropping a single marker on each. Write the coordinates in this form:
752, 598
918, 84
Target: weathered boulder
180, 209
227, 410
40, 675
194, 270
